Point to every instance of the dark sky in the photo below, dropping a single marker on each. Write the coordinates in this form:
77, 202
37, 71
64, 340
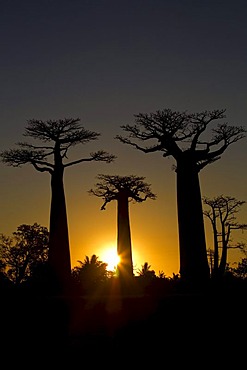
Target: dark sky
104, 61
120, 56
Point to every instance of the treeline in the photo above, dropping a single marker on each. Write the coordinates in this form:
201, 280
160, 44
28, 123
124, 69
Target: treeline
24, 268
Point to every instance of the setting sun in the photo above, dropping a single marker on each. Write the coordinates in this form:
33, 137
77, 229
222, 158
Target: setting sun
109, 255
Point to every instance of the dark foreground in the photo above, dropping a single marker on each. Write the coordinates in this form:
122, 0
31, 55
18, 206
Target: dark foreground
185, 329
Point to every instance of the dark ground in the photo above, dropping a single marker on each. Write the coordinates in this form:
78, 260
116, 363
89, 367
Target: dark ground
182, 329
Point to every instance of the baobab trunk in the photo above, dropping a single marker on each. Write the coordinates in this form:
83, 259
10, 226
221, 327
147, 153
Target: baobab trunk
124, 248
59, 250
194, 266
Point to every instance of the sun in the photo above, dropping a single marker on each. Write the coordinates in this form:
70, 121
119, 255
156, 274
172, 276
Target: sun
109, 255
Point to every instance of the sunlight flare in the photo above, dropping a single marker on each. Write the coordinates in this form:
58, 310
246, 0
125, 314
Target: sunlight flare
109, 255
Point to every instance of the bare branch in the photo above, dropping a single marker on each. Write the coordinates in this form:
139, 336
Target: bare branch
96, 156
164, 130
112, 187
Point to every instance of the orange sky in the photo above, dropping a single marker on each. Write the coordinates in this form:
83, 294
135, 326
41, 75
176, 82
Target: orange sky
26, 199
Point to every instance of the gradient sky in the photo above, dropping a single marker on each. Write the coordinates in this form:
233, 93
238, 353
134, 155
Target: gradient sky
104, 61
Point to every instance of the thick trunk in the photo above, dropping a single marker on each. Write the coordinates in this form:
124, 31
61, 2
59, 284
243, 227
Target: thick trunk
193, 254
124, 248
59, 250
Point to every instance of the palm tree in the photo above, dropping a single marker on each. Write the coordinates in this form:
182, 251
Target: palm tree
90, 274
146, 271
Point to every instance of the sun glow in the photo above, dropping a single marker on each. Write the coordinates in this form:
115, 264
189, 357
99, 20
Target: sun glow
109, 255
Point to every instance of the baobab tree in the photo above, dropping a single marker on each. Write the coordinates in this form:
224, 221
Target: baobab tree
123, 189
222, 212
180, 135
56, 137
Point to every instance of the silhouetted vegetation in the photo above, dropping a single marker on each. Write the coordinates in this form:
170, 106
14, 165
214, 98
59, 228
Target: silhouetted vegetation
96, 316
222, 215
24, 269
180, 135
123, 189
241, 270
95, 313
58, 136
21, 253
90, 276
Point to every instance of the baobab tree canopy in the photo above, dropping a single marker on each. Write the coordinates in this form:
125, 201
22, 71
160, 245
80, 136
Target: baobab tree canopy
177, 133
63, 134
183, 136
110, 187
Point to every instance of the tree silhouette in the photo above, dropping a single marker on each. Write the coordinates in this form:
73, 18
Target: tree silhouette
222, 215
123, 189
22, 252
90, 274
180, 135
146, 271
58, 137
241, 270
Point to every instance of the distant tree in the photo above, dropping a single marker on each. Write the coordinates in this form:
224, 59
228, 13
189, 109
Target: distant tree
162, 275
241, 270
123, 189
179, 134
58, 137
146, 271
2, 263
4, 280
175, 277
91, 274
25, 249
39, 279
222, 212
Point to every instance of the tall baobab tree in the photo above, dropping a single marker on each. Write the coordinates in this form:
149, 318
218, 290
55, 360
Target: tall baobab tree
180, 135
56, 137
123, 189
222, 212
